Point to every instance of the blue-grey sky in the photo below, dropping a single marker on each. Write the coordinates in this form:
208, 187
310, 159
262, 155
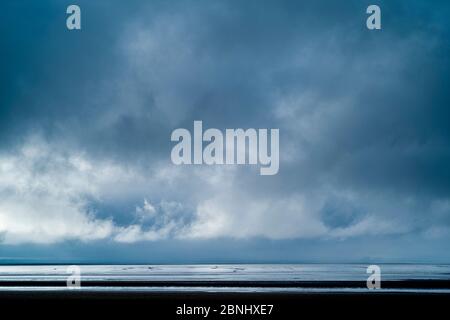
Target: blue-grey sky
86, 118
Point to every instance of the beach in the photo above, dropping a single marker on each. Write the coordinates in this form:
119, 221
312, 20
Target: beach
289, 291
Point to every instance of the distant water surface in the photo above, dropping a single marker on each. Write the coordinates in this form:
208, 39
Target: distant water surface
229, 278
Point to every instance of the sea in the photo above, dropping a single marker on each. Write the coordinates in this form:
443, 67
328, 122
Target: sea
253, 278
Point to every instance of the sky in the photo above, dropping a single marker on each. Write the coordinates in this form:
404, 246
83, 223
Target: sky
86, 118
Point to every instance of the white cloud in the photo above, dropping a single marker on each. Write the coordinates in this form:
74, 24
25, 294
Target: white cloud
146, 211
46, 192
242, 215
45, 198
135, 233
43, 195
156, 222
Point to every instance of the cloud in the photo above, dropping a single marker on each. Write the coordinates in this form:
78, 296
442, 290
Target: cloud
47, 195
242, 215
155, 222
146, 211
364, 136
43, 196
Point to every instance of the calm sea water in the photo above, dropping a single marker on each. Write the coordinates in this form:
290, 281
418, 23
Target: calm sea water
223, 273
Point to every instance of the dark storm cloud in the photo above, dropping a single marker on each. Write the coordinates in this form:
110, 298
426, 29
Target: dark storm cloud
363, 115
